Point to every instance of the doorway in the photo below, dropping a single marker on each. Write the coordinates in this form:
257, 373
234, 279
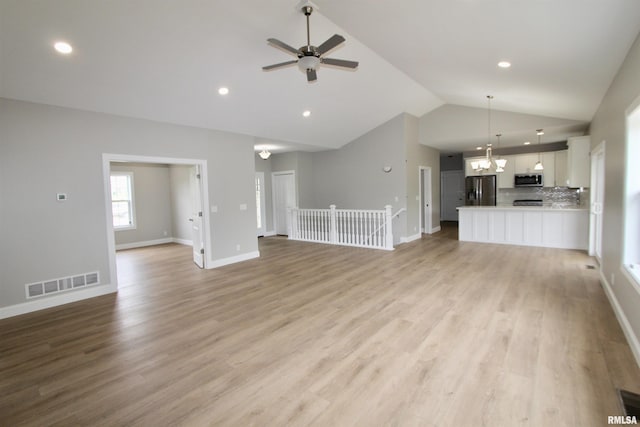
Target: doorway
284, 197
597, 201
451, 194
198, 193
261, 209
425, 209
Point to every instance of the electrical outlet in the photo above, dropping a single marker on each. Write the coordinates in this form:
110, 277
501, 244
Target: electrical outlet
238, 248
165, 233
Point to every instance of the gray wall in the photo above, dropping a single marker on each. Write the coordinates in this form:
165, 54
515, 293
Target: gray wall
451, 162
352, 177
609, 125
181, 201
420, 155
46, 150
151, 200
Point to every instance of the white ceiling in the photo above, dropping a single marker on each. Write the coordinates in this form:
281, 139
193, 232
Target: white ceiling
164, 60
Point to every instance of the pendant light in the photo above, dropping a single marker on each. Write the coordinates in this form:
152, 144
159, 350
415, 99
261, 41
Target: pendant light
488, 161
264, 154
538, 165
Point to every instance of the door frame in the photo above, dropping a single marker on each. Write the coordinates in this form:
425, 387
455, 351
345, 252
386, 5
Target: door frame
598, 151
273, 195
425, 171
263, 204
107, 158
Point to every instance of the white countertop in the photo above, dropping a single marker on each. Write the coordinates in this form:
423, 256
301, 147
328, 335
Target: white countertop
526, 208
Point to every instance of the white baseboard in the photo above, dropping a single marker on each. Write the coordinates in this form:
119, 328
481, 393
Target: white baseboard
182, 241
143, 244
232, 260
270, 233
632, 339
410, 238
55, 300
435, 229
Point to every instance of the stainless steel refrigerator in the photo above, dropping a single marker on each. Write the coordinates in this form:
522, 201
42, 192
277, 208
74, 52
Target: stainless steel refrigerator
480, 190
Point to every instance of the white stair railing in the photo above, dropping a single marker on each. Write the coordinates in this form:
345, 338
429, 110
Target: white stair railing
348, 227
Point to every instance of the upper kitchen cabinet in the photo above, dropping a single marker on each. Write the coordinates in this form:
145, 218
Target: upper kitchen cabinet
578, 172
524, 163
505, 179
561, 168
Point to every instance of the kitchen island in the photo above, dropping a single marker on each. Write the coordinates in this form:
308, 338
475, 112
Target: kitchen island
545, 226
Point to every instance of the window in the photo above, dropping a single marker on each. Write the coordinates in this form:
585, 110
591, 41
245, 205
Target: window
631, 237
122, 205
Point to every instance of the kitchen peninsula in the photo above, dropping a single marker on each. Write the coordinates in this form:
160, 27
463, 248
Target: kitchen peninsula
545, 226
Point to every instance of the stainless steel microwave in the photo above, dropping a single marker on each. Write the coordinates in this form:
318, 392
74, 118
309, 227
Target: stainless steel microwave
528, 180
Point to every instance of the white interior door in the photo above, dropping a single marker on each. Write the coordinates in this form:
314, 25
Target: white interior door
261, 215
451, 194
426, 204
197, 229
284, 197
597, 202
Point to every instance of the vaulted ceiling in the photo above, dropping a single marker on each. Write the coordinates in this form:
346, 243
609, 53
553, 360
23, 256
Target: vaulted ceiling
165, 60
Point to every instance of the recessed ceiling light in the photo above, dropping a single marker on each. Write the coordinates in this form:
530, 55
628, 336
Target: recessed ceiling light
306, 113
504, 64
527, 142
63, 47
478, 148
223, 90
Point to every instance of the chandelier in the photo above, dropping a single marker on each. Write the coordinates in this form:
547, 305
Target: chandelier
488, 162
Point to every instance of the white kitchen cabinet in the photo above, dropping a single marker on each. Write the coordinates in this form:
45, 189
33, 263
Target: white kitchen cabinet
525, 226
561, 168
505, 179
578, 164
549, 173
524, 163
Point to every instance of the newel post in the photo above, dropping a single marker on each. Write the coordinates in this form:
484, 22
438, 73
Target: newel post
293, 223
388, 229
332, 224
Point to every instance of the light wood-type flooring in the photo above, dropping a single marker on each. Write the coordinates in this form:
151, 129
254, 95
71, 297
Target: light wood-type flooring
435, 333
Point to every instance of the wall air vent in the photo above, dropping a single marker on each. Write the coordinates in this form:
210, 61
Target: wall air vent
62, 284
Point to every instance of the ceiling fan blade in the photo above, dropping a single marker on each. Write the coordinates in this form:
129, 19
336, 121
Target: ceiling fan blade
340, 63
333, 41
311, 75
281, 45
280, 65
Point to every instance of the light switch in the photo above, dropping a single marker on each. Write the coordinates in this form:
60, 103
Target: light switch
214, 209
243, 207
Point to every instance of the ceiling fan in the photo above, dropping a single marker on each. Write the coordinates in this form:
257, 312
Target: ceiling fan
310, 57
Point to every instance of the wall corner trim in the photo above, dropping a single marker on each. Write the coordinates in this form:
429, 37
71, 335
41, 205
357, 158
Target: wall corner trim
410, 238
632, 339
143, 244
232, 260
55, 300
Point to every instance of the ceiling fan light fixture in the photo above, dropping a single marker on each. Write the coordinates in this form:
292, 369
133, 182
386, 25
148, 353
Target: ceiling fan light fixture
308, 63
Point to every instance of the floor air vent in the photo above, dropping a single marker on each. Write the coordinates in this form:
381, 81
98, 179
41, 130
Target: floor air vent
63, 284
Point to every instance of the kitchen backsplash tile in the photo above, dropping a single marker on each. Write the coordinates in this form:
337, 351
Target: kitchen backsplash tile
551, 196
